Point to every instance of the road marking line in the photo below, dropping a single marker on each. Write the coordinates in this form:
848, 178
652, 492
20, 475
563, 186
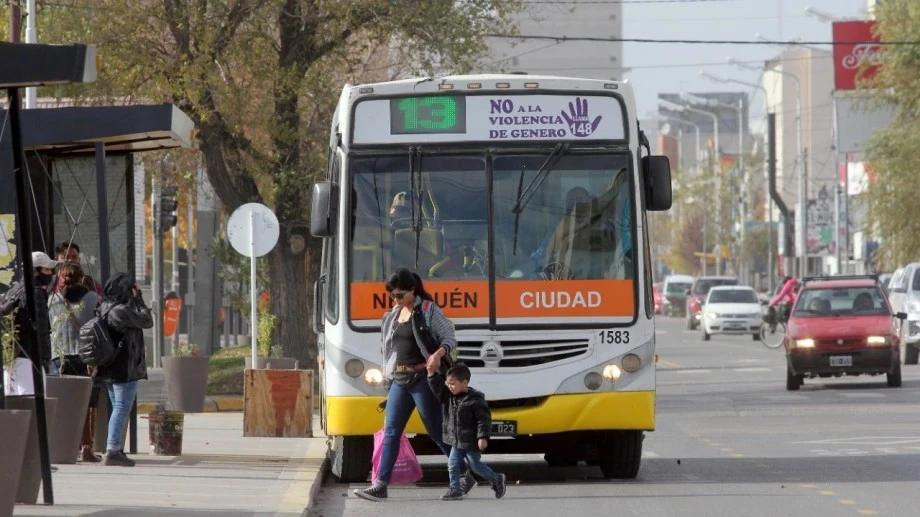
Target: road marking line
726, 449
714, 444
827, 492
846, 501
808, 485
667, 364
862, 395
868, 512
751, 370
737, 455
694, 371
650, 454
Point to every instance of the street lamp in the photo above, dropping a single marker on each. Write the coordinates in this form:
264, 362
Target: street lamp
802, 189
741, 173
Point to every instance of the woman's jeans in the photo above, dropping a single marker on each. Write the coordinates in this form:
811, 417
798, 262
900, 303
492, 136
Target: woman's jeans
455, 466
401, 400
121, 397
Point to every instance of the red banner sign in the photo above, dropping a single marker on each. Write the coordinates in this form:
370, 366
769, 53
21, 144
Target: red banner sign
856, 52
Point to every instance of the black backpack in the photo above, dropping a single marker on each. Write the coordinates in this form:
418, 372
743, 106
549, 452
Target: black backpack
97, 348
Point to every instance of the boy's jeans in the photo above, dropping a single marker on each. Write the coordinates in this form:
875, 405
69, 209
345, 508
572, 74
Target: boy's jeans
121, 397
455, 466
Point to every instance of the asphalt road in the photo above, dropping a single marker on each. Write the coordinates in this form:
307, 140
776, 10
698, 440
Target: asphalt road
730, 441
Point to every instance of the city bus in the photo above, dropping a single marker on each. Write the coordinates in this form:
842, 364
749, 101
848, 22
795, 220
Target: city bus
521, 201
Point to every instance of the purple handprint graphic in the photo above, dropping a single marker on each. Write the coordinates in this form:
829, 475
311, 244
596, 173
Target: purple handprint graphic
578, 120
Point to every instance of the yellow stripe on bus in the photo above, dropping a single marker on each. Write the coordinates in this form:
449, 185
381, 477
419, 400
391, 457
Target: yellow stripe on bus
571, 412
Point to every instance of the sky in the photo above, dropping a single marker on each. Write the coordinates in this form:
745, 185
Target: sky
658, 68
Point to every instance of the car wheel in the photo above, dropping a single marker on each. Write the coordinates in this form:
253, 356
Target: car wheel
911, 354
793, 382
706, 335
689, 323
756, 336
894, 377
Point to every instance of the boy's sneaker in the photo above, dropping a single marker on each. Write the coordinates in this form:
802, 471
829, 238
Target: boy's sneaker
375, 493
498, 486
453, 494
118, 459
467, 482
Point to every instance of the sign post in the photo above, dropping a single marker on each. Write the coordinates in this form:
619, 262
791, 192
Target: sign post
253, 232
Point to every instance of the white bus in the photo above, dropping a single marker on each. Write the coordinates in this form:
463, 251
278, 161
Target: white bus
521, 202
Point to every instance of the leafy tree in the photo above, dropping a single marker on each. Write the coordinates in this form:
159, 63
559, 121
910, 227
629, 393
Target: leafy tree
260, 79
893, 211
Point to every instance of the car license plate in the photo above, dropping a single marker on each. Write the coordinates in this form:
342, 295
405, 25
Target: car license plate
734, 325
504, 427
841, 360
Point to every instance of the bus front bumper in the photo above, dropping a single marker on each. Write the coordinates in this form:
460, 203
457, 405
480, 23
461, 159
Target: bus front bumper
627, 410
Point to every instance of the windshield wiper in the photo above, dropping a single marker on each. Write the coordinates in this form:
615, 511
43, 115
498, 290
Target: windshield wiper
415, 194
525, 195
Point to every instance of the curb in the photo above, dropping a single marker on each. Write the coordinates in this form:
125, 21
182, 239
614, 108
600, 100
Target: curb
315, 485
211, 405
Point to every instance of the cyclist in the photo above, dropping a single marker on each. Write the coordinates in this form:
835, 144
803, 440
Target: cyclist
784, 300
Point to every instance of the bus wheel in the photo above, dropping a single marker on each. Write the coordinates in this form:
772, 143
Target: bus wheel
351, 458
621, 454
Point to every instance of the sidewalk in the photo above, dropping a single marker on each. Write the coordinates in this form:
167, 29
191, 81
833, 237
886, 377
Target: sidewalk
219, 473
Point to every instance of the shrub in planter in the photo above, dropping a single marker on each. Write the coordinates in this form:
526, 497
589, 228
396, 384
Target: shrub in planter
165, 431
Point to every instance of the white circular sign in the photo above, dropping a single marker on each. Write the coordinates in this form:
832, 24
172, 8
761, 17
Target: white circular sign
265, 229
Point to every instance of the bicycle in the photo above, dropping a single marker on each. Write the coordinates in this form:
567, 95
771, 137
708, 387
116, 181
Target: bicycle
773, 328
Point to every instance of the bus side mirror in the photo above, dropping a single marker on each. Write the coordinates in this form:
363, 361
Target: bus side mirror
322, 222
657, 172
901, 316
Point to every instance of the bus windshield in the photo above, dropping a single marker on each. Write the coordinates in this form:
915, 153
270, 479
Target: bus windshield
435, 218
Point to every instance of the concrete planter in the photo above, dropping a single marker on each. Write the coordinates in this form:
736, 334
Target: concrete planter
14, 433
30, 476
272, 363
186, 382
73, 394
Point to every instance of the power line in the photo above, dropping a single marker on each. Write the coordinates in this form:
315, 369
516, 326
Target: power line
701, 41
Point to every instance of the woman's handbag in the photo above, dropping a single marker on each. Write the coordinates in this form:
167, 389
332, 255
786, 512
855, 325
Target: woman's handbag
406, 470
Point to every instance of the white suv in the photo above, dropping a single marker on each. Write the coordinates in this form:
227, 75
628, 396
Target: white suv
904, 296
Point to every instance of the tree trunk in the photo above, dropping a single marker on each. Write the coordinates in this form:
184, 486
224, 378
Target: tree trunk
292, 277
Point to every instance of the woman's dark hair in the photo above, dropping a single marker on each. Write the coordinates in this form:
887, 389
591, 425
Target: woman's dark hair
408, 280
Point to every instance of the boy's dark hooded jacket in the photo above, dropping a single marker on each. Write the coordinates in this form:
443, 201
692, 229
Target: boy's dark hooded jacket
126, 316
466, 417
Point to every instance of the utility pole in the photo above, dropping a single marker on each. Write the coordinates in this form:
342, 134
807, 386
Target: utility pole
803, 188
31, 37
157, 276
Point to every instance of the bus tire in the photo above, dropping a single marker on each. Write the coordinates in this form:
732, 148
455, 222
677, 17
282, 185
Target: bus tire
621, 454
351, 458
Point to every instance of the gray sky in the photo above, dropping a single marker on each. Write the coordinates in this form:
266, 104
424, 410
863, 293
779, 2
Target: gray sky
651, 65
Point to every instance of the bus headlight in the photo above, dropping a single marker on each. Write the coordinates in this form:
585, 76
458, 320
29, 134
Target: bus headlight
594, 380
354, 368
373, 376
612, 372
631, 363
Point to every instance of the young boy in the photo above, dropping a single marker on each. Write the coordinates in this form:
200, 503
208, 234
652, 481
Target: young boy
467, 421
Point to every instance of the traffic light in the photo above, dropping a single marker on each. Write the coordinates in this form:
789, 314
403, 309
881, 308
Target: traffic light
168, 206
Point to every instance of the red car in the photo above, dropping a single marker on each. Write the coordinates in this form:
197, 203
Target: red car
656, 296
842, 326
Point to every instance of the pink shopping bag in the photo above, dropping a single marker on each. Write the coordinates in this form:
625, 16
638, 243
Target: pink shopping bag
407, 468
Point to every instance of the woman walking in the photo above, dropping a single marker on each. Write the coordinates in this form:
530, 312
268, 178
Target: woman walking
405, 363
68, 309
126, 316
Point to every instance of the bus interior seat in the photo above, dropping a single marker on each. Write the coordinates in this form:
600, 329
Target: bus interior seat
430, 248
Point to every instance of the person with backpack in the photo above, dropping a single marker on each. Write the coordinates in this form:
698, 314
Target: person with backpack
69, 309
125, 316
416, 336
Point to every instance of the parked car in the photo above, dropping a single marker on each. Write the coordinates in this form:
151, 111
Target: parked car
842, 326
731, 309
657, 297
676, 288
698, 293
904, 296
